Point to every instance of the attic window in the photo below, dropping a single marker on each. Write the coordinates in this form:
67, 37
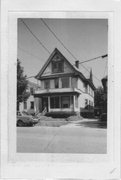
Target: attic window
57, 66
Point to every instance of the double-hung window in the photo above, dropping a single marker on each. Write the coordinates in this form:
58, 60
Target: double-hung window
47, 84
65, 82
54, 102
65, 101
57, 66
56, 81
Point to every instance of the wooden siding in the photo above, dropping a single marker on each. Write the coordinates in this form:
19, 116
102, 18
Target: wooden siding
48, 70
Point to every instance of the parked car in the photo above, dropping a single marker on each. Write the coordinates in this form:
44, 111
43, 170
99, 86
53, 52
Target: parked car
23, 119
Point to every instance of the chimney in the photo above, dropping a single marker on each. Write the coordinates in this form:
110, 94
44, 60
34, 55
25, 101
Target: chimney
77, 64
91, 76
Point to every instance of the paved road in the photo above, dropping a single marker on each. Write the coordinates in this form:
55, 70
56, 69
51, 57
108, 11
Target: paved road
64, 139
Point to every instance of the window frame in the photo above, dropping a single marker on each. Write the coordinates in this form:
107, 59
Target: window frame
68, 82
62, 102
31, 104
58, 69
55, 101
56, 79
45, 81
25, 104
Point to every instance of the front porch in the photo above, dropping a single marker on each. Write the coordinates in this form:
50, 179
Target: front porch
65, 103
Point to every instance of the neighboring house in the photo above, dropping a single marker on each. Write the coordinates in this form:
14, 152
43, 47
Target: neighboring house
64, 89
29, 104
105, 87
104, 83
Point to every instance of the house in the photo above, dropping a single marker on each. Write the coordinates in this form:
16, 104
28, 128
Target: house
105, 87
64, 89
29, 104
104, 83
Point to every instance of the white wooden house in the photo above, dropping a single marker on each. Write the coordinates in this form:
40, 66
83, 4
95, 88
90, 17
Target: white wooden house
29, 104
64, 89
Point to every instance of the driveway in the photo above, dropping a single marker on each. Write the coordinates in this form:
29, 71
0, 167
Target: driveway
70, 138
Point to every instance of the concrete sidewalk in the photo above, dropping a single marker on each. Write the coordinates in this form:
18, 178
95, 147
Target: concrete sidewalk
89, 123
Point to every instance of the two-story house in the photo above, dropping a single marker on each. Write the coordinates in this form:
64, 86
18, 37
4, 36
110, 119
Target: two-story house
64, 89
29, 104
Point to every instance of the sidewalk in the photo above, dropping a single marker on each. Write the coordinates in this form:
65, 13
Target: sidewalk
90, 123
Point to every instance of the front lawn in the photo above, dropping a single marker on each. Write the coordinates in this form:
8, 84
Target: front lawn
53, 122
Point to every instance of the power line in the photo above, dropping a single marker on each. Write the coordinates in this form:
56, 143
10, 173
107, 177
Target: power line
73, 64
94, 59
36, 37
57, 39
64, 45
105, 69
38, 58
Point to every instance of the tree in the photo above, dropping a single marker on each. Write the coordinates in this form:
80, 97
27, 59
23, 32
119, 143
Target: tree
99, 97
100, 100
22, 85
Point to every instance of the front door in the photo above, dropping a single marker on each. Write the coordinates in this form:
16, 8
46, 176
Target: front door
45, 103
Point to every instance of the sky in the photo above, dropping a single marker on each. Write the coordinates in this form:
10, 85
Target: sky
85, 38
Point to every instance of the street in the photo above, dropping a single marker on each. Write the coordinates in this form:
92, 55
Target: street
65, 139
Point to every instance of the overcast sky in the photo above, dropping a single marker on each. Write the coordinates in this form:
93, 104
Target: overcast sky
85, 38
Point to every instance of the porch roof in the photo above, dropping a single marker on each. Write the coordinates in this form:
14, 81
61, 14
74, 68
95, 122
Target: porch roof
59, 91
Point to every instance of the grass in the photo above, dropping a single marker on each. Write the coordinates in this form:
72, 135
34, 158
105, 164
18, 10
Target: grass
52, 123
56, 122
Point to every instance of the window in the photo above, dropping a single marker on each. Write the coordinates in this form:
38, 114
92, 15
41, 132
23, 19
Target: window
74, 82
86, 102
65, 101
25, 105
54, 102
57, 66
56, 83
65, 82
32, 104
32, 90
47, 84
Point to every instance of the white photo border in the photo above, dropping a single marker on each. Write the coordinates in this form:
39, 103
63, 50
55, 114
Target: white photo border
58, 165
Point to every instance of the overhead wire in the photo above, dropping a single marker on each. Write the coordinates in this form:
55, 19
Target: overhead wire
30, 54
103, 56
58, 40
36, 37
64, 45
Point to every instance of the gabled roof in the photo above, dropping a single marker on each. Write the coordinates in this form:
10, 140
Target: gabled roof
76, 70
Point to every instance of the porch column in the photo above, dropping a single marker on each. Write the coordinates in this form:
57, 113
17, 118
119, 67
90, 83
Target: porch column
59, 101
70, 82
74, 102
37, 106
48, 103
